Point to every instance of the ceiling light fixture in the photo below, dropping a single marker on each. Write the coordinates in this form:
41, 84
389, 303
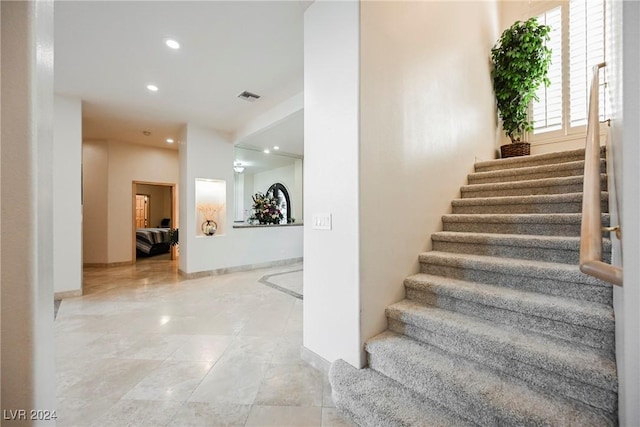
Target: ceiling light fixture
146, 133
173, 44
152, 88
170, 140
237, 167
266, 151
275, 147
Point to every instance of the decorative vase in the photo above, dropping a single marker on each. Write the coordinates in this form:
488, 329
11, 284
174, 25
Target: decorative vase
209, 227
515, 149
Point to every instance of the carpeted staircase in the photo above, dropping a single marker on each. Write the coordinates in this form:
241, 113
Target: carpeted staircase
500, 327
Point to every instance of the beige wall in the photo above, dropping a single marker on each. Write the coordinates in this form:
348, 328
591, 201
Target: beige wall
160, 202
426, 115
94, 204
108, 190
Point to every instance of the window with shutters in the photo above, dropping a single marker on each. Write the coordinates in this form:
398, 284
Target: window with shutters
577, 40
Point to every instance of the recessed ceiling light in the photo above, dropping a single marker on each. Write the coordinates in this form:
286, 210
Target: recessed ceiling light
172, 43
170, 140
266, 151
152, 88
275, 147
146, 133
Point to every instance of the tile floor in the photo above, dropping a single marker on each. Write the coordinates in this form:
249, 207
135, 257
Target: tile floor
143, 347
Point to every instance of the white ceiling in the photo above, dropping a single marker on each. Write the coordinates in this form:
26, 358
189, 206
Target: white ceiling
107, 52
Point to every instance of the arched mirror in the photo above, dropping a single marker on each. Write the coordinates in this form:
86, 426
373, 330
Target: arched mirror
284, 202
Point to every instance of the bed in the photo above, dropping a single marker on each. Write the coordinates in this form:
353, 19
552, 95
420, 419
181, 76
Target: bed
152, 241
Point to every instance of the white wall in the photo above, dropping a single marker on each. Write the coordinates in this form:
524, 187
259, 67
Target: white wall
625, 134
426, 115
108, 223
95, 182
28, 363
205, 154
67, 206
331, 274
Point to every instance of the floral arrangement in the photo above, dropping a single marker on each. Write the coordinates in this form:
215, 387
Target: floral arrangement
209, 210
265, 209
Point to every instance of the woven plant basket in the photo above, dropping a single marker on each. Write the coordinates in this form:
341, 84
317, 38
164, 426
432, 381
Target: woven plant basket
515, 149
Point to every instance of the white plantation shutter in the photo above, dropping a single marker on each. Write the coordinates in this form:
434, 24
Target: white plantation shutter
547, 112
586, 41
577, 41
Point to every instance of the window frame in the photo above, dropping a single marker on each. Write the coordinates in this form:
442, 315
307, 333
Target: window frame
567, 132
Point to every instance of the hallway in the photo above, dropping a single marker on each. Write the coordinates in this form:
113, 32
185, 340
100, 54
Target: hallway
145, 347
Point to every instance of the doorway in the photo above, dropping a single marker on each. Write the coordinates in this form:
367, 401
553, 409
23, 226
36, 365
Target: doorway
155, 216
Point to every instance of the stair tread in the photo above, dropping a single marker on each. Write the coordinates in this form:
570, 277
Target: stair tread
537, 218
524, 160
391, 403
567, 310
530, 183
529, 170
515, 266
520, 240
494, 395
528, 199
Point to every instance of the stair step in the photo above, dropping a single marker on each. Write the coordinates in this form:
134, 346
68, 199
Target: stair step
372, 399
547, 203
556, 317
557, 170
573, 371
488, 397
562, 249
568, 184
533, 276
534, 224
534, 160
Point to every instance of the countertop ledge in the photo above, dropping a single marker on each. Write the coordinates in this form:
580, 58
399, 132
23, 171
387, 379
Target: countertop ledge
243, 225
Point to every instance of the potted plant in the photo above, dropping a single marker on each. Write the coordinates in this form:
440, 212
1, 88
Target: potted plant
521, 60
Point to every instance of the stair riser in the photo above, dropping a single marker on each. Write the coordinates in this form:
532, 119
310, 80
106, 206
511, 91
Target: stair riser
557, 173
524, 208
480, 351
580, 291
545, 229
598, 339
531, 253
470, 192
529, 162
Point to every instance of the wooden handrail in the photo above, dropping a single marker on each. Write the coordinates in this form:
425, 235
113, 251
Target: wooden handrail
591, 227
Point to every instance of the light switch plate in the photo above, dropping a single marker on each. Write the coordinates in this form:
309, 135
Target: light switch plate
321, 221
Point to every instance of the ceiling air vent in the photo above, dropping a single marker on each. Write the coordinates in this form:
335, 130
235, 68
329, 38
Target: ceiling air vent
248, 96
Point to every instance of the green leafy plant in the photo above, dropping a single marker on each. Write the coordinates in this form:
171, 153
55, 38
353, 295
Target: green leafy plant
174, 240
521, 60
265, 209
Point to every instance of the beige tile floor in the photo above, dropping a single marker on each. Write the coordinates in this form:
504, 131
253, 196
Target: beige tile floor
143, 347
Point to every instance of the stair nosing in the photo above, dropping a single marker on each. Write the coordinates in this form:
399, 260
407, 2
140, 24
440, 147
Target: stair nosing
515, 240
528, 170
